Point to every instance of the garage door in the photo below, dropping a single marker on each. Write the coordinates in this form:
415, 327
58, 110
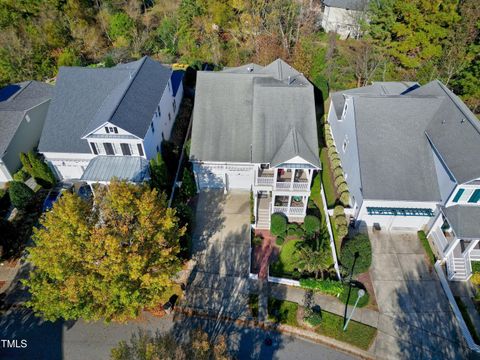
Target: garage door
211, 177
239, 178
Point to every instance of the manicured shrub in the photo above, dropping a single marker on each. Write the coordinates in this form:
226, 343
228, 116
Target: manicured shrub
257, 240
336, 164
20, 194
327, 127
297, 232
335, 157
21, 175
359, 244
339, 180
342, 231
329, 141
279, 240
311, 224
278, 224
345, 198
331, 151
342, 188
338, 210
159, 173
329, 287
341, 220
338, 172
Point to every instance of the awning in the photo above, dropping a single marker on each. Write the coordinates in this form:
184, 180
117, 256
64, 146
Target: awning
106, 168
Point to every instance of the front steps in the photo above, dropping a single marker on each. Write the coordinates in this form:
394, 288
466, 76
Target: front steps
263, 221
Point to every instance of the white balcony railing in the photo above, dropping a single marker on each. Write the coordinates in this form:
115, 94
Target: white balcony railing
292, 211
266, 180
292, 185
283, 185
300, 186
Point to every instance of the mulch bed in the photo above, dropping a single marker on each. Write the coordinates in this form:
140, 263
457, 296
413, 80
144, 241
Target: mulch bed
366, 280
265, 254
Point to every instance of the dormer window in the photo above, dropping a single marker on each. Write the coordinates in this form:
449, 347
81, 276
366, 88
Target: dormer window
111, 129
152, 127
158, 111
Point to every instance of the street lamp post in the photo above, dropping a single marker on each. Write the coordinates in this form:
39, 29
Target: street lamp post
361, 293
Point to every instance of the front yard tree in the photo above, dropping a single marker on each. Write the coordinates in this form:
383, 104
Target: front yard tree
20, 194
316, 262
110, 261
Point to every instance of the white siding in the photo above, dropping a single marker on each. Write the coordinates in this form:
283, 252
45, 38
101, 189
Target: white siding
219, 175
68, 165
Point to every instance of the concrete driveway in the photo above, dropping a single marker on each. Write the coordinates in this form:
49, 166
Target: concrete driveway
416, 320
219, 282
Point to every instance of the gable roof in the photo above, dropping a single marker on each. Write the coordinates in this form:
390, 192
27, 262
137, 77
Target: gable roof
15, 101
455, 132
464, 220
398, 164
254, 114
86, 98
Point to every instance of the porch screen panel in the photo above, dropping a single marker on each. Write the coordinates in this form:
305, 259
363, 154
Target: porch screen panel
458, 195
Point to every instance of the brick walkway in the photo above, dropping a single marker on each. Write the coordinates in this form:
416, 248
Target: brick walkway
265, 254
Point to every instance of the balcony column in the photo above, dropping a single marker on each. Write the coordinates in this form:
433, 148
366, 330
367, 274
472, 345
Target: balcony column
255, 205
292, 178
275, 174
470, 247
305, 201
289, 204
310, 173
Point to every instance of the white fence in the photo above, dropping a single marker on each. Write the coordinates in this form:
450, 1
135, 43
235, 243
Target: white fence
332, 239
463, 326
283, 281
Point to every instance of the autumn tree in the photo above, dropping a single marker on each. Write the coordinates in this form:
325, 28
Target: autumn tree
108, 261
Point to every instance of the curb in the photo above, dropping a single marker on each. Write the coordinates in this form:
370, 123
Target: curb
285, 329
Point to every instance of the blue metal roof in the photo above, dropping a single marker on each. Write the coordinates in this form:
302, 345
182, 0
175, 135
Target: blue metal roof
106, 168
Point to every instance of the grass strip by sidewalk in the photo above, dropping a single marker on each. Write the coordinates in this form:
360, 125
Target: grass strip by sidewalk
282, 312
357, 334
426, 245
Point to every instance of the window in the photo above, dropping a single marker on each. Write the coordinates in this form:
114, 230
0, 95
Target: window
111, 129
140, 149
115, 130
174, 106
152, 127
94, 148
458, 195
126, 149
106, 130
399, 211
109, 148
475, 196
158, 110
344, 111
169, 117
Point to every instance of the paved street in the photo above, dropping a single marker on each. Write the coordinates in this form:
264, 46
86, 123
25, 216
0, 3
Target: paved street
416, 321
82, 341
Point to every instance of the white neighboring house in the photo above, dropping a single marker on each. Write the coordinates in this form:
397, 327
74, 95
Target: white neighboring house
23, 108
344, 17
410, 158
254, 129
99, 114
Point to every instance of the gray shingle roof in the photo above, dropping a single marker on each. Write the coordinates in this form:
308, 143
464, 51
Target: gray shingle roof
16, 100
464, 220
396, 161
347, 4
377, 88
105, 168
263, 116
455, 133
85, 98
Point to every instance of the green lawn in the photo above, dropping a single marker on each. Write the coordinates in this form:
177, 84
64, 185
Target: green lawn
315, 194
328, 185
287, 260
353, 297
468, 320
283, 312
357, 334
426, 246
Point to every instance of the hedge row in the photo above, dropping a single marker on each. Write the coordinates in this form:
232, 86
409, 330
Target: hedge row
336, 165
329, 287
340, 221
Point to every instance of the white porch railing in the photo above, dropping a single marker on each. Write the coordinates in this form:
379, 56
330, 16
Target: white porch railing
292, 211
292, 185
265, 180
440, 240
475, 255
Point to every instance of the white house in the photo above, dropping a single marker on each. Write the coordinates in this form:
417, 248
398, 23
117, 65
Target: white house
97, 114
23, 108
410, 158
344, 17
254, 129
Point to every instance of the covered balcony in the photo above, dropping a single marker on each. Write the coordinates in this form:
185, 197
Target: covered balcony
291, 206
293, 179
